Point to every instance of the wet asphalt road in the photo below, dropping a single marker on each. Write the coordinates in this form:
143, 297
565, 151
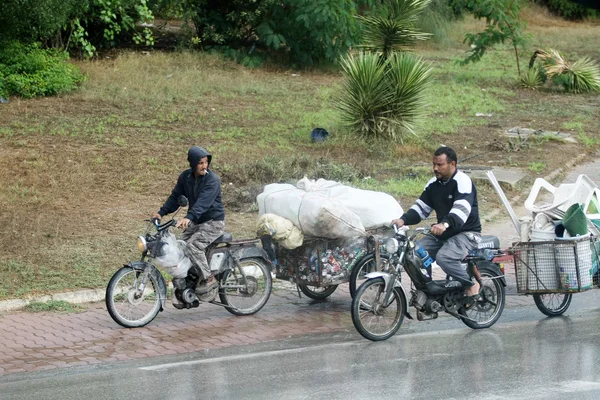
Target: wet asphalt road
523, 356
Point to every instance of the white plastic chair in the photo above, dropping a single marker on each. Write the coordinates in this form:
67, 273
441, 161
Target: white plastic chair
584, 191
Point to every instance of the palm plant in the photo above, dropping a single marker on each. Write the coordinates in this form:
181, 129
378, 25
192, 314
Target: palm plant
532, 79
383, 99
366, 99
392, 27
581, 76
382, 94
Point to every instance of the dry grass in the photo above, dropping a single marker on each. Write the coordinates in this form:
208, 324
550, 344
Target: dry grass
80, 172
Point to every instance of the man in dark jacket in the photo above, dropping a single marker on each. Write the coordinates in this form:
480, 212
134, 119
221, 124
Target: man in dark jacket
453, 196
204, 221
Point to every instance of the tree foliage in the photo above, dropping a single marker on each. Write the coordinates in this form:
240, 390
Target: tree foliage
82, 24
301, 32
503, 24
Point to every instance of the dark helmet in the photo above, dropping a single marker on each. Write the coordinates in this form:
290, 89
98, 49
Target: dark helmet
195, 154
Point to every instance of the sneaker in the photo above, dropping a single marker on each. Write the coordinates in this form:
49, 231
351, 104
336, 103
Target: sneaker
207, 285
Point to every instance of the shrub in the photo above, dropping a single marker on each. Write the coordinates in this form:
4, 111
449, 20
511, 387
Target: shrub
300, 32
571, 9
30, 71
532, 79
30, 20
383, 99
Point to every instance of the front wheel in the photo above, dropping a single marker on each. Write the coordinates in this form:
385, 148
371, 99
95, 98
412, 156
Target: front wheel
246, 288
130, 302
553, 304
364, 266
485, 311
372, 317
317, 293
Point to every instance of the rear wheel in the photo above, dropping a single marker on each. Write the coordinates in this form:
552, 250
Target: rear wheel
484, 312
372, 317
246, 288
129, 302
364, 266
553, 304
318, 293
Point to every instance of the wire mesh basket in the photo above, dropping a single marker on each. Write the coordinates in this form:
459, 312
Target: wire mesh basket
558, 266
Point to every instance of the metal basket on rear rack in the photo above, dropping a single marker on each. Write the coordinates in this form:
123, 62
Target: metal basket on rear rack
558, 266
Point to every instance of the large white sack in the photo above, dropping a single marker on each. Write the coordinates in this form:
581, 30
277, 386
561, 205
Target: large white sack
324, 217
375, 209
281, 199
313, 213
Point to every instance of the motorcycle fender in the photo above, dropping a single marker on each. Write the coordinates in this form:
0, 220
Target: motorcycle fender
389, 286
255, 252
162, 286
493, 269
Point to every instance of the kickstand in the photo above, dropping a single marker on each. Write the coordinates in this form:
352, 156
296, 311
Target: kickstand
298, 290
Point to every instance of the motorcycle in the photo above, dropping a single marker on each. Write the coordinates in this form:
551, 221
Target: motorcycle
137, 292
380, 303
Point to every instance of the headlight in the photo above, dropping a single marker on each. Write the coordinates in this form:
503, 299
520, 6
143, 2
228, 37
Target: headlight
391, 245
141, 244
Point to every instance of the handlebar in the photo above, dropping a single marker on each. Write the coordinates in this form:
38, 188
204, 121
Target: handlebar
403, 229
159, 227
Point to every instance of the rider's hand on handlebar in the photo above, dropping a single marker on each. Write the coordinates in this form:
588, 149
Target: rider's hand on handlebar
155, 218
183, 224
398, 222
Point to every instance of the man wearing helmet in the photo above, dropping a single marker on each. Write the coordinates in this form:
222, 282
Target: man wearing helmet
203, 223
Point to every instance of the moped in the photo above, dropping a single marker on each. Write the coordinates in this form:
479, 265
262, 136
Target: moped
381, 302
137, 292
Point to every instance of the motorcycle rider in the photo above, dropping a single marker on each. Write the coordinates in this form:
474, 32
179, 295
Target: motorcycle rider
453, 196
203, 223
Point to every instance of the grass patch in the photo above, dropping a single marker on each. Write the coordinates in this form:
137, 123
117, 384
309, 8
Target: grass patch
53, 306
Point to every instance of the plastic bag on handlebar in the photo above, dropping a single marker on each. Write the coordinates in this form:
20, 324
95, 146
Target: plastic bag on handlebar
173, 258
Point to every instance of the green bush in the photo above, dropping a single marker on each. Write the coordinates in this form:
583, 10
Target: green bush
27, 70
301, 32
571, 9
30, 20
383, 99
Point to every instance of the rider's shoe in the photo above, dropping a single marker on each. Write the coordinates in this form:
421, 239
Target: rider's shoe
177, 303
207, 285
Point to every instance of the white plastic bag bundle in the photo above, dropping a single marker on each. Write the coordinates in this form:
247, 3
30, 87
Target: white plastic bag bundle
329, 209
173, 259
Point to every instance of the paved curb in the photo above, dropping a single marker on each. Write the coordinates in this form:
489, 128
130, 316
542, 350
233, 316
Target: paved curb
94, 295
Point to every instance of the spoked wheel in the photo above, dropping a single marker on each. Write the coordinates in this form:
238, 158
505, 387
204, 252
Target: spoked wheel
317, 293
365, 265
247, 293
488, 308
553, 304
372, 318
130, 304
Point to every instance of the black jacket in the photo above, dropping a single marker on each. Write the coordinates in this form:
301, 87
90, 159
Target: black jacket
203, 192
454, 202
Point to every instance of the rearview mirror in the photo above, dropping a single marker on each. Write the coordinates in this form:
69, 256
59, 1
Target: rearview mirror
182, 201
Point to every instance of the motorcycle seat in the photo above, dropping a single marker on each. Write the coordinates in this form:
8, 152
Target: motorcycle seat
226, 237
442, 286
